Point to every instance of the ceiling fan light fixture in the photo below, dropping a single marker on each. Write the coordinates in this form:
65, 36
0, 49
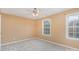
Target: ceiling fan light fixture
35, 12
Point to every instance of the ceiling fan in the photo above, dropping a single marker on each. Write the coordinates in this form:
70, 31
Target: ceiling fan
35, 12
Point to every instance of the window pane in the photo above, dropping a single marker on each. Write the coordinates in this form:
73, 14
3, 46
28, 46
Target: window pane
70, 29
77, 23
46, 32
47, 26
46, 22
70, 21
71, 35
77, 35
77, 30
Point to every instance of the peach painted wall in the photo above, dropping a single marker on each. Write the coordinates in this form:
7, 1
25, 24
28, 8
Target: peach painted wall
16, 28
58, 29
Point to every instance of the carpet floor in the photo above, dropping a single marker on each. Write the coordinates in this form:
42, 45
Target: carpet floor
33, 45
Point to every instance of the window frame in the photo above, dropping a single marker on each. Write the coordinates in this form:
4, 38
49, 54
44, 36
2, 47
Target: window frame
67, 26
49, 20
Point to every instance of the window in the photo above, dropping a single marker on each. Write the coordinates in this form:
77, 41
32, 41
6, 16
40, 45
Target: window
46, 27
73, 26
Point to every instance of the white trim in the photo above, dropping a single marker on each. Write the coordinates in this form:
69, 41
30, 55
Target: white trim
43, 27
59, 44
15, 41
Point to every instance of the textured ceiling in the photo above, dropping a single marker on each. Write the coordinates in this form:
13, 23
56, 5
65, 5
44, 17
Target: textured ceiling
27, 12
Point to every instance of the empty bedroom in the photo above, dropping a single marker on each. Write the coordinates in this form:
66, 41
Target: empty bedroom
39, 29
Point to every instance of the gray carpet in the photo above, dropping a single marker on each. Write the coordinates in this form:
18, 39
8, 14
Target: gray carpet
33, 45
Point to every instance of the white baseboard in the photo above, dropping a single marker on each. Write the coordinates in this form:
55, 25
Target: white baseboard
69, 47
15, 41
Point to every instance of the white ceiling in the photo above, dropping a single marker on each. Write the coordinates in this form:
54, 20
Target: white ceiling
27, 12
